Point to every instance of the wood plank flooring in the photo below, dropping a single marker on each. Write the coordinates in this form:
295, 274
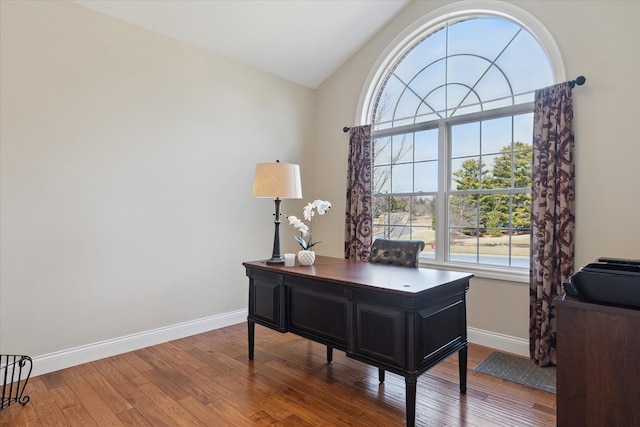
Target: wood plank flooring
207, 380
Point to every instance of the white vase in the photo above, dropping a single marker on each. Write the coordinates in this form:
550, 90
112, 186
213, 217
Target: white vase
306, 257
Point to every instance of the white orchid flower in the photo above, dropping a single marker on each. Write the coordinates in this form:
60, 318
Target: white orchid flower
299, 225
322, 207
308, 212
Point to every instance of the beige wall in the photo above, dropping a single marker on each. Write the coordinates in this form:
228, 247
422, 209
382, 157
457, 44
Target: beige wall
127, 162
126, 177
597, 39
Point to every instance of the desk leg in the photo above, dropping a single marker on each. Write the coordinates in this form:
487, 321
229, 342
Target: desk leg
251, 329
329, 354
380, 375
411, 400
462, 365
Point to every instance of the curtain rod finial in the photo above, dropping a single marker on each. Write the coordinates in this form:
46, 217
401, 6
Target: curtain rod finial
580, 80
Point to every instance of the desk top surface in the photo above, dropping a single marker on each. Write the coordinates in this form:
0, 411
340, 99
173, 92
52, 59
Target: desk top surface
394, 279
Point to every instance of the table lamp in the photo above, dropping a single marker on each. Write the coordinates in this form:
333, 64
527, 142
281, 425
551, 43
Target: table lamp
279, 181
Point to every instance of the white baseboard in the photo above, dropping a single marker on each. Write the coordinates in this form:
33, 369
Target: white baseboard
87, 353
500, 342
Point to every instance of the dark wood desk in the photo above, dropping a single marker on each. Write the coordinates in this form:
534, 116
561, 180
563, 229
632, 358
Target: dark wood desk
403, 320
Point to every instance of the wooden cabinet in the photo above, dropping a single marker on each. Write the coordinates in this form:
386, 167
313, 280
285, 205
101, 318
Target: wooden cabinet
379, 332
598, 358
266, 301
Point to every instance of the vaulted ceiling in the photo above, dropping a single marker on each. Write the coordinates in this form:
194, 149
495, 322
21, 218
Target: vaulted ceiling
303, 41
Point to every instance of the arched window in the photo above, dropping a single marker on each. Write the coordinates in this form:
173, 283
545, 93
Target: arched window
452, 123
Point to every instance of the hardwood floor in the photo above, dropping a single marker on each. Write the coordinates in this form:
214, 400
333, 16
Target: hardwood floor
207, 380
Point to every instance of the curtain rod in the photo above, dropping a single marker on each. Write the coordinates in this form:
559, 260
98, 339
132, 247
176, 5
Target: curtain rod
580, 80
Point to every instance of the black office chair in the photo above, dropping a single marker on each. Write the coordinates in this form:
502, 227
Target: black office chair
405, 253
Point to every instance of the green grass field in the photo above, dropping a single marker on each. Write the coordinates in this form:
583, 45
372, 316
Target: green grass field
462, 244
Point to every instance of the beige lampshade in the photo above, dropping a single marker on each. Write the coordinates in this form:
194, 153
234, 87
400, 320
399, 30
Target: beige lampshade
277, 180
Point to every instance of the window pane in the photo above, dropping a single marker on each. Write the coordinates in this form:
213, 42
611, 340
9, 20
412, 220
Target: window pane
407, 105
459, 95
486, 177
426, 176
430, 76
494, 85
428, 51
494, 250
399, 232
522, 63
466, 173
382, 179
382, 151
520, 249
521, 212
402, 149
506, 249
523, 128
522, 169
402, 178
483, 36
463, 212
405, 217
428, 236
494, 212
426, 145
463, 246
380, 232
466, 71
493, 56
465, 140
429, 239
423, 223
381, 210
435, 101
388, 99
496, 135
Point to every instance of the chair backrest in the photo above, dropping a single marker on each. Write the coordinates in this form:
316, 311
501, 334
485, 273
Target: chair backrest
405, 253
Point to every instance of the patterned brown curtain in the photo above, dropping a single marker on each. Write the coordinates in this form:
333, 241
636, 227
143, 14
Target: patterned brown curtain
359, 219
552, 215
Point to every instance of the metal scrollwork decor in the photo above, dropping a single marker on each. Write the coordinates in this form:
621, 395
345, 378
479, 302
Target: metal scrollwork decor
14, 373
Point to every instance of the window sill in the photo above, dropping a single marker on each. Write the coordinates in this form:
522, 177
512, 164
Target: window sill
496, 273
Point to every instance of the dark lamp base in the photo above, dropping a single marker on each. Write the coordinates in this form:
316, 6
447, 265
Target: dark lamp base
276, 256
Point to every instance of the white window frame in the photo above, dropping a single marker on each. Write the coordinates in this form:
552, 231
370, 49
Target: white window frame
397, 48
